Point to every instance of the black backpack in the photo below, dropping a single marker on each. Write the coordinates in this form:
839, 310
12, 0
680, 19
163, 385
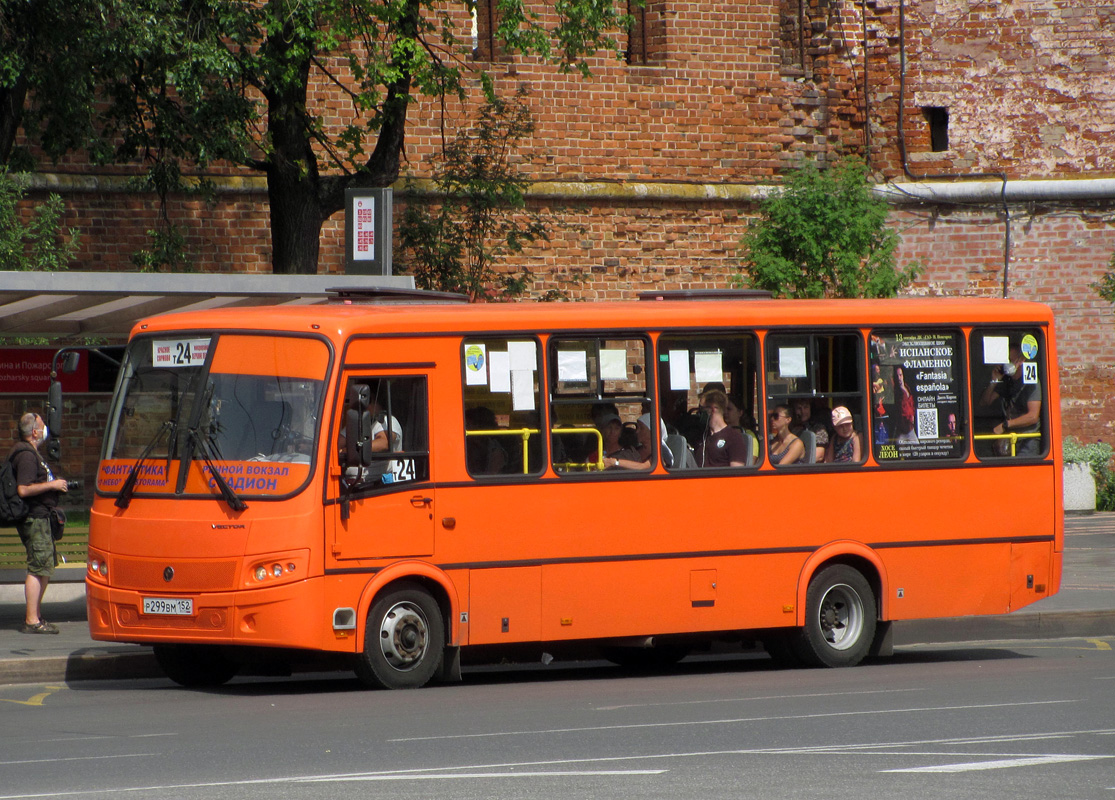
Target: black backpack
12, 507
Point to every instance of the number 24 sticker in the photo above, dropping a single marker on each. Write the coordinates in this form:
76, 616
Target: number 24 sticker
1029, 372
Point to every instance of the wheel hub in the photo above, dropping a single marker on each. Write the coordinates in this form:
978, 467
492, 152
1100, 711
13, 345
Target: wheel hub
403, 636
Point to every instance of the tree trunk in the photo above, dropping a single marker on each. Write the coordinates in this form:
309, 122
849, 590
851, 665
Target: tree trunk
296, 220
11, 115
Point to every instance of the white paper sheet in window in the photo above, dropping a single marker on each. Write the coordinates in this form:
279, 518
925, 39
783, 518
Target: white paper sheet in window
996, 349
613, 365
572, 365
499, 371
522, 355
679, 370
708, 367
522, 389
791, 362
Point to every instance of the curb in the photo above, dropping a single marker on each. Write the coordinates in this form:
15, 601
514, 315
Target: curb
128, 665
1005, 627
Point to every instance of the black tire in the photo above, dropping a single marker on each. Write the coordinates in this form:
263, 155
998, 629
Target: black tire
839, 619
195, 665
404, 639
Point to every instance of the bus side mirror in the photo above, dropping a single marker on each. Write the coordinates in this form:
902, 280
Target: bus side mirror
54, 419
70, 361
358, 426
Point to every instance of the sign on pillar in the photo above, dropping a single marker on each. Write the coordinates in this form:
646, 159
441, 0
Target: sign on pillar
368, 222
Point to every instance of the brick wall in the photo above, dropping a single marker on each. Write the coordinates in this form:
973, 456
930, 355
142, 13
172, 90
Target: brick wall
732, 94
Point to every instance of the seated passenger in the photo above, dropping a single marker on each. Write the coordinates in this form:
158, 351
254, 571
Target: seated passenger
785, 448
805, 420
646, 438
1019, 404
737, 416
616, 455
720, 445
484, 455
845, 446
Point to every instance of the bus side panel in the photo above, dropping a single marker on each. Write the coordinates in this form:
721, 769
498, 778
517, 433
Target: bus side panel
948, 581
685, 595
504, 605
1035, 573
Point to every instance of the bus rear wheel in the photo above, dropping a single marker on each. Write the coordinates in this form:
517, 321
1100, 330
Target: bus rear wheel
403, 641
195, 665
839, 619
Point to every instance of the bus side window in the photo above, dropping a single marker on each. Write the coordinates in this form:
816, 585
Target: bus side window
503, 434
1008, 399
918, 407
393, 444
814, 376
689, 366
598, 387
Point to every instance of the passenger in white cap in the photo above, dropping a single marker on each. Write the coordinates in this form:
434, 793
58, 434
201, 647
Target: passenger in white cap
845, 446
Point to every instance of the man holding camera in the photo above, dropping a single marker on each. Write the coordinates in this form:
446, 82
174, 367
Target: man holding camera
40, 490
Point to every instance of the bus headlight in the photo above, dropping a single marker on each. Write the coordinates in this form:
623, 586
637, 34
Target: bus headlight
97, 565
276, 568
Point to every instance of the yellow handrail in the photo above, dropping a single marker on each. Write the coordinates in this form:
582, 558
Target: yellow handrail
1014, 437
526, 433
523, 433
587, 465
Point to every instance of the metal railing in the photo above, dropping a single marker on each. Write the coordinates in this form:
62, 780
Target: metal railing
1013, 437
565, 466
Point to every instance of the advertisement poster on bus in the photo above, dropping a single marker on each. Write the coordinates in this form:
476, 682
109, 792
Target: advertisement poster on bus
915, 396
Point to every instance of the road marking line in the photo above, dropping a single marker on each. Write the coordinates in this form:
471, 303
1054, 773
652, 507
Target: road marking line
1100, 644
452, 771
754, 699
1004, 763
734, 721
36, 700
77, 758
441, 776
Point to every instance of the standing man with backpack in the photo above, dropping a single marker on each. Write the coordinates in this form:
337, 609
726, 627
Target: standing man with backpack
39, 489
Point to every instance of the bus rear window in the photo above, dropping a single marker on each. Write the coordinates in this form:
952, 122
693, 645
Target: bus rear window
1008, 402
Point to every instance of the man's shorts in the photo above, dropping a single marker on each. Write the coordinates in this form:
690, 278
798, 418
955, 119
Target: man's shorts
35, 534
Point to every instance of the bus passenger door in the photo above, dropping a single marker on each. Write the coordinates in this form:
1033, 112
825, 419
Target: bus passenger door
384, 508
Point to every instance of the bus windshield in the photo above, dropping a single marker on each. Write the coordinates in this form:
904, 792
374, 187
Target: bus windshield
253, 400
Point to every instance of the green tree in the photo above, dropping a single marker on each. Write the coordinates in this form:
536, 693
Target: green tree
824, 234
49, 54
225, 79
480, 214
39, 244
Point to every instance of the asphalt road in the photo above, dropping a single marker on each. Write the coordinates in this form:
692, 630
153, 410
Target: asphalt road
1032, 719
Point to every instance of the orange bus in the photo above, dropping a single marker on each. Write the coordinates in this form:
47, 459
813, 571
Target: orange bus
395, 482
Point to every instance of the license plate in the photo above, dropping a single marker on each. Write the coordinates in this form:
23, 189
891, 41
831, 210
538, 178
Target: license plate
170, 606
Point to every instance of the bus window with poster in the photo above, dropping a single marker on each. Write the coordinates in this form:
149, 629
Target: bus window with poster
918, 397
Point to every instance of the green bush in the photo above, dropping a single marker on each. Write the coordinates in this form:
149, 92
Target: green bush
824, 234
1096, 455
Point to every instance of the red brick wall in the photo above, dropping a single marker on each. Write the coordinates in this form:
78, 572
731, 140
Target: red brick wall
729, 99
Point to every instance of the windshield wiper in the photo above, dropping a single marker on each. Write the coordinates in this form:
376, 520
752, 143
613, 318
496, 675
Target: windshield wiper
203, 447
124, 499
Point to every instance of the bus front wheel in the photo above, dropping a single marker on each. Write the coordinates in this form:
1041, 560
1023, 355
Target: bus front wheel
195, 665
404, 640
839, 619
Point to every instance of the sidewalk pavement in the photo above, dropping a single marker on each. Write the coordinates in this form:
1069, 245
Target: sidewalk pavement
1084, 607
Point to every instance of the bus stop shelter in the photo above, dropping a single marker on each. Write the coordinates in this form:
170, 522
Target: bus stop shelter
71, 306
